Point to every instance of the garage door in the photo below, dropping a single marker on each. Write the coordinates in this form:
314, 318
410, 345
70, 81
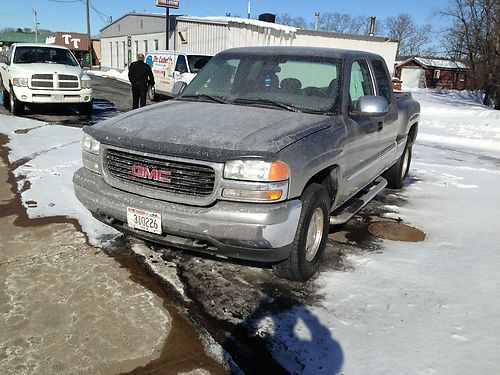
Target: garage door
410, 78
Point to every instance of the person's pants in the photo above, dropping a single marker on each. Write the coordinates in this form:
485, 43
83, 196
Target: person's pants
139, 93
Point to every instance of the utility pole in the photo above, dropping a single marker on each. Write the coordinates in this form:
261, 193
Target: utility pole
248, 9
88, 33
316, 20
36, 25
167, 31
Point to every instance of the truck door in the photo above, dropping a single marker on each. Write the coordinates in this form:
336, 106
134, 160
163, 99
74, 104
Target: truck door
389, 132
363, 140
181, 69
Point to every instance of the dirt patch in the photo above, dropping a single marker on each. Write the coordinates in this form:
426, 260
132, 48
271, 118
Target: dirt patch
393, 231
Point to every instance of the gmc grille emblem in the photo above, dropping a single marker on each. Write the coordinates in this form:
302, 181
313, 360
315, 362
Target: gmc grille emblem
151, 174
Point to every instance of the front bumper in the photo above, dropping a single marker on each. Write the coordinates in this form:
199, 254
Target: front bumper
260, 232
28, 95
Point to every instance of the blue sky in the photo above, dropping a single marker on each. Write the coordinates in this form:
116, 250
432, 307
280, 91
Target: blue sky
69, 15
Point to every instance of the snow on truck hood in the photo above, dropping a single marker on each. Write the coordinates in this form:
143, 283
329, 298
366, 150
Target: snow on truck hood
207, 131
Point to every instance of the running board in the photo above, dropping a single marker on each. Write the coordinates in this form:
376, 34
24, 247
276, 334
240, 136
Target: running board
344, 213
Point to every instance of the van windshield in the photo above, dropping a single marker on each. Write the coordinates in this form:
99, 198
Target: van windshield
30, 55
300, 83
196, 62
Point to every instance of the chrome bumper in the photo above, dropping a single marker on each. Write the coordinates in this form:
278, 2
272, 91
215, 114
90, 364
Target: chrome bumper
261, 232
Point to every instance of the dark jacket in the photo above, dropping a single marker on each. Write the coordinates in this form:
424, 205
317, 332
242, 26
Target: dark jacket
140, 74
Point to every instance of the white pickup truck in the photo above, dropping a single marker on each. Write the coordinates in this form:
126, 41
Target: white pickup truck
43, 74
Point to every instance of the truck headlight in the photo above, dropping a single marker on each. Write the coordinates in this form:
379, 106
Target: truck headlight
20, 82
256, 170
255, 181
90, 154
86, 83
90, 144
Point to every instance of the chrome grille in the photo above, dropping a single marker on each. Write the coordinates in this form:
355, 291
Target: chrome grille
184, 178
54, 81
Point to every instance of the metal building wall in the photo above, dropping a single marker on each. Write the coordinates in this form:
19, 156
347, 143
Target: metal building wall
199, 37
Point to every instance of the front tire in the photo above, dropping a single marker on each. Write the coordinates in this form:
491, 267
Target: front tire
310, 239
16, 107
396, 175
85, 109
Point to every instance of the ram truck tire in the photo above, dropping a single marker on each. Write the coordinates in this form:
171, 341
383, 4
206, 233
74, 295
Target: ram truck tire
85, 109
309, 243
396, 175
16, 107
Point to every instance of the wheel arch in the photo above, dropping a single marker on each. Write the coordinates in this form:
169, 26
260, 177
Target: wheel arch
327, 177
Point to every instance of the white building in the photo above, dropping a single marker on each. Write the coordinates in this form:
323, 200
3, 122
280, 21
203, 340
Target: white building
134, 32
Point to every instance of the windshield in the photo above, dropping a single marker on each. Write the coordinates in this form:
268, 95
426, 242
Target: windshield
300, 83
196, 62
29, 55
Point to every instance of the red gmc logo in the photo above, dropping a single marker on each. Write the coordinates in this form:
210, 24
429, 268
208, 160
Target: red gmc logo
151, 174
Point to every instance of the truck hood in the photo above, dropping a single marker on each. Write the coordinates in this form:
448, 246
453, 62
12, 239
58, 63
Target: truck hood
39, 68
208, 131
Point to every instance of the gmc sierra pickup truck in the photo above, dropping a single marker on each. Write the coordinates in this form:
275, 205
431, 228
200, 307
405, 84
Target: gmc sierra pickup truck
256, 158
43, 74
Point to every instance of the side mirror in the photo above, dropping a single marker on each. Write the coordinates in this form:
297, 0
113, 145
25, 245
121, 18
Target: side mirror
178, 88
372, 106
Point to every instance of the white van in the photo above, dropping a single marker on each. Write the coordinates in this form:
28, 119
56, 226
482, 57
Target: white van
173, 66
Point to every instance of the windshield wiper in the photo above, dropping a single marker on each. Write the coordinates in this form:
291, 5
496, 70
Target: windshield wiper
216, 99
267, 102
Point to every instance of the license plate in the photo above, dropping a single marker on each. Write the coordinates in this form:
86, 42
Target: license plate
144, 220
57, 97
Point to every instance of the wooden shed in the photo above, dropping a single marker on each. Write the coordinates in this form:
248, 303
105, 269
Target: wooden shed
419, 72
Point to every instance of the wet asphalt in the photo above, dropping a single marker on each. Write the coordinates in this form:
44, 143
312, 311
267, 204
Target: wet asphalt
221, 297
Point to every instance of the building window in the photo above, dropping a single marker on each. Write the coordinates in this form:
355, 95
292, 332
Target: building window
156, 45
124, 54
437, 74
142, 23
136, 48
145, 46
111, 54
117, 54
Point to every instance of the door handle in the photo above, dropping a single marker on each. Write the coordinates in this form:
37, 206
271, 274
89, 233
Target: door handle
380, 126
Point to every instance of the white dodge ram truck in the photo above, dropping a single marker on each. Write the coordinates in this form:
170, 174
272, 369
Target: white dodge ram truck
44, 74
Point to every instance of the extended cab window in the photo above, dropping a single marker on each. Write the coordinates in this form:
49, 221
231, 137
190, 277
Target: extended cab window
361, 81
383, 84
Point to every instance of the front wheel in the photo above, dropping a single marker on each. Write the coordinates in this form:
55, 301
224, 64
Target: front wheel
85, 109
396, 175
310, 239
16, 107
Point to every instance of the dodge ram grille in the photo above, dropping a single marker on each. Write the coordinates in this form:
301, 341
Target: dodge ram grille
171, 176
54, 81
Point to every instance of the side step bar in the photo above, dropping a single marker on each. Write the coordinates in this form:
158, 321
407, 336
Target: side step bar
344, 213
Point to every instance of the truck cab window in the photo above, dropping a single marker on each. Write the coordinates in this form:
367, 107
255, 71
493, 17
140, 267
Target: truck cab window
181, 65
361, 82
383, 84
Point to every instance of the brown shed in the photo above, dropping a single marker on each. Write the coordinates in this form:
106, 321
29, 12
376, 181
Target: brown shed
431, 73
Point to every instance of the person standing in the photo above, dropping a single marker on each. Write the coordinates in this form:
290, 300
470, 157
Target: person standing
140, 76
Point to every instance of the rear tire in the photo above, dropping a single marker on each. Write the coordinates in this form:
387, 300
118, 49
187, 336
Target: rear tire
310, 239
396, 175
151, 93
85, 109
16, 107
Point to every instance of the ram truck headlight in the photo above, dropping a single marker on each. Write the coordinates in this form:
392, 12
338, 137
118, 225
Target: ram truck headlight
255, 181
20, 82
86, 83
90, 154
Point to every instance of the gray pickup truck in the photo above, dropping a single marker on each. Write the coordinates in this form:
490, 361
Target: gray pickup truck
259, 155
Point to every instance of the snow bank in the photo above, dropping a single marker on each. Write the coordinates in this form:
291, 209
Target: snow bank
120, 75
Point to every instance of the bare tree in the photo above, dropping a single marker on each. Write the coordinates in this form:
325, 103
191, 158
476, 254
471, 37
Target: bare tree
412, 38
474, 37
286, 19
345, 23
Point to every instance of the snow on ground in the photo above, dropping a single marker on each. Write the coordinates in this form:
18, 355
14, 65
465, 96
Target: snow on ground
120, 75
413, 308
